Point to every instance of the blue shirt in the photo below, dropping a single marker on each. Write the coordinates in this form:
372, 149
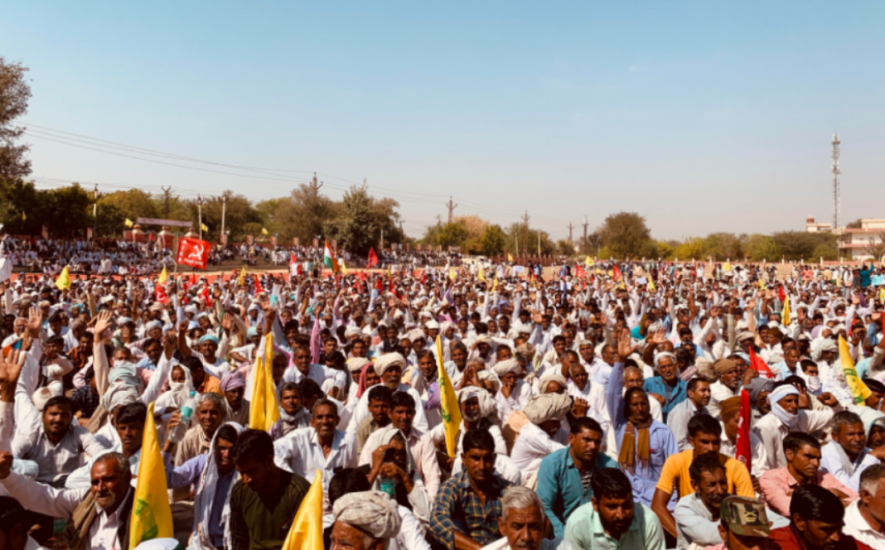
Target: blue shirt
678, 393
560, 487
644, 478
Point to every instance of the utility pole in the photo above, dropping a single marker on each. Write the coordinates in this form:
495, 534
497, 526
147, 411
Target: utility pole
95, 211
525, 220
837, 186
570, 227
585, 229
451, 206
200, 214
223, 209
314, 185
167, 194
382, 240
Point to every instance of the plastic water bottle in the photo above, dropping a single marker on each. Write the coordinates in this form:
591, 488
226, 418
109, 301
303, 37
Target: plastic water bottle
187, 411
387, 485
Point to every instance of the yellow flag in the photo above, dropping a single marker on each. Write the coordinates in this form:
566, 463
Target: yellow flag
509, 257
241, 279
859, 391
64, 279
128, 223
882, 294
264, 410
264, 231
786, 316
727, 266
651, 286
389, 273
452, 274
761, 284
306, 532
151, 514
481, 276
342, 267
839, 280
495, 284
24, 217
451, 409
203, 227
587, 261
164, 276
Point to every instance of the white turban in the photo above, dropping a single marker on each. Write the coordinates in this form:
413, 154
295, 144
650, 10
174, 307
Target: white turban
356, 364
389, 360
486, 403
548, 406
483, 339
118, 394
503, 368
555, 377
371, 511
44, 394
778, 393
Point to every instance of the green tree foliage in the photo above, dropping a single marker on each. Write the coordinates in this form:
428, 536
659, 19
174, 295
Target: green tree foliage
690, 248
565, 248
240, 217
762, 247
445, 235
304, 213
494, 241
591, 245
795, 245
624, 234
827, 252
14, 95
360, 221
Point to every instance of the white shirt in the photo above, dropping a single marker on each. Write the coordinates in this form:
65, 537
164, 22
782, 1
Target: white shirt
719, 392
411, 534
594, 394
532, 445
757, 451
678, 419
517, 401
831, 463
857, 527
772, 432
317, 373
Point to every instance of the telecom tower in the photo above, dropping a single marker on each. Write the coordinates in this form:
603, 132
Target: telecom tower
837, 191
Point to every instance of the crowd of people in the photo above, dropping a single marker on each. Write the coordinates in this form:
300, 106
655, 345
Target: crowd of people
611, 405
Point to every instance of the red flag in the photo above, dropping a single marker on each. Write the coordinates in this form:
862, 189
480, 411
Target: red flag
579, 272
781, 294
759, 365
193, 252
294, 267
742, 450
423, 276
258, 288
379, 285
205, 295
160, 294
616, 273
373, 259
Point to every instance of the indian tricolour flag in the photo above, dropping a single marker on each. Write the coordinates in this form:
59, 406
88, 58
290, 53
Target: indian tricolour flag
329, 258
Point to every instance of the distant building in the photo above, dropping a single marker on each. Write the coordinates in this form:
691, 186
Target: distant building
855, 243
812, 227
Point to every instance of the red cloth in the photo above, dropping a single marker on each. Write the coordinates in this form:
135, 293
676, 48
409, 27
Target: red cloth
788, 538
373, 259
758, 364
742, 445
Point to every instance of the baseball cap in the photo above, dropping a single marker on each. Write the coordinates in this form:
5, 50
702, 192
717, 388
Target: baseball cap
745, 516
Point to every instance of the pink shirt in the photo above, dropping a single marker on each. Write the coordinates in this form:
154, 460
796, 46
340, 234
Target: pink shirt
778, 485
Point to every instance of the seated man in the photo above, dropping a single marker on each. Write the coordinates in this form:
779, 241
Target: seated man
698, 397
542, 435
265, 498
816, 521
98, 517
803, 468
523, 522
468, 505
612, 519
379, 401
293, 414
865, 518
697, 515
743, 525
365, 521
564, 476
704, 436
847, 456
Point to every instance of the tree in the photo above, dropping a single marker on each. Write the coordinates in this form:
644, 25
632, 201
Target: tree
564, 247
828, 253
267, 212
624, 234
445, 235
690, 248
723, 246
476, 228
14, 95
876, 247
795, 245
761, 247
591, 245
856, 224
304, 213
238, 214
358, 226
494, 241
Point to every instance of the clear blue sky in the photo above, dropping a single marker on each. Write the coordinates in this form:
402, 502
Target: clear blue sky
702, 116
